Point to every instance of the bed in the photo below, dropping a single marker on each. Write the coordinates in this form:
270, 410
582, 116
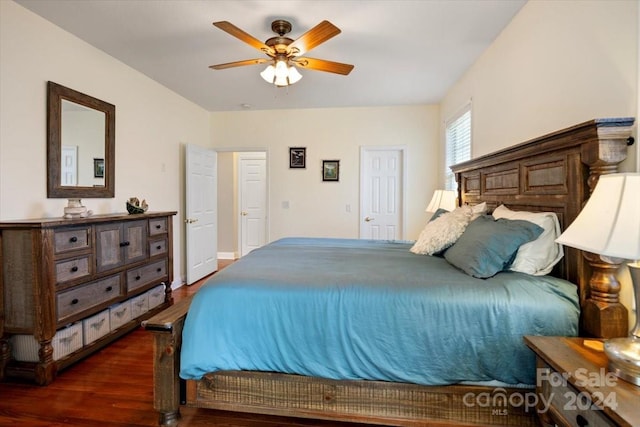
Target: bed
395, 383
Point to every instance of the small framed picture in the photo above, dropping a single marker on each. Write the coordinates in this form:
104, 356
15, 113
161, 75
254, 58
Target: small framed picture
98, 168
297, 157
331, 170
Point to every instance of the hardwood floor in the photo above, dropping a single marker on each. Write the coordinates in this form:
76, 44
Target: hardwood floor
113, 387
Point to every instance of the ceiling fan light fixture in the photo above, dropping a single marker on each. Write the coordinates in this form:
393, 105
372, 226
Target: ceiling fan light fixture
281, 74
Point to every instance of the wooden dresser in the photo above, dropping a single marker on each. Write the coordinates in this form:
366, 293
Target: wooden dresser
70, 287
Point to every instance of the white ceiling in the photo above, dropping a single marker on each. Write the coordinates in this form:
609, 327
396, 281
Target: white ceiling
404, 52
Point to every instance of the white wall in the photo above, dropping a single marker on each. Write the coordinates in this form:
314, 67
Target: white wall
558, 63
318, 208
151, 122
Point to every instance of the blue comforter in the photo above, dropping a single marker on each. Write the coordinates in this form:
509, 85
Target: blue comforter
357, 309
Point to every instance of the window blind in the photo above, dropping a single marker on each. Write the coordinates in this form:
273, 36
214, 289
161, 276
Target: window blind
458, 143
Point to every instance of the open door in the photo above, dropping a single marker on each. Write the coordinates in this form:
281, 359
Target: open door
201, 212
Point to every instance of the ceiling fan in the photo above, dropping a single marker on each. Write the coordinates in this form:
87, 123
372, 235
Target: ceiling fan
284, 53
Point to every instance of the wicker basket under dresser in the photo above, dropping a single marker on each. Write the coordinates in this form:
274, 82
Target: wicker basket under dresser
70, 287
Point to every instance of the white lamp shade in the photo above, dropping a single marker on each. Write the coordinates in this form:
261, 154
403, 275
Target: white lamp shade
609, 224
294, 75
269, 74
442, 199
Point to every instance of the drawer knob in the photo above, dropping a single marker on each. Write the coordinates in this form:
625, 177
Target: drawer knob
138, 277
74, 301
158, 226
159, 269
73, 239
123, 244
159, 247
74, 268
109, 289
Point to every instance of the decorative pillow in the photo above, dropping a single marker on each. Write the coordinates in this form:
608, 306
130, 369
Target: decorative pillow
488, 246
443, 231
537, 257
478, 210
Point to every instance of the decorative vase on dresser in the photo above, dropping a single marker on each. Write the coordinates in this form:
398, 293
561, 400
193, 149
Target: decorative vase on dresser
69, 287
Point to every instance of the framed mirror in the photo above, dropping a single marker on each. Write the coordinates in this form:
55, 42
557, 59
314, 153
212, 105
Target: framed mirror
80, 145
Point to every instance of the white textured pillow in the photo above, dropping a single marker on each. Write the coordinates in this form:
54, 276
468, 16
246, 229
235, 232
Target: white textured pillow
537, 257
443, 231
478, 210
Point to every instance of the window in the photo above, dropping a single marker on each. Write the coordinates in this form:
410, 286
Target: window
458, 143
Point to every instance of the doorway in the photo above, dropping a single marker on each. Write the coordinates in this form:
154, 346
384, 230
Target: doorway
237, 195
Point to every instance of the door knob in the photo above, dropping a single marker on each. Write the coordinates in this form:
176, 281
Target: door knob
368, 219
244, 213
190, 220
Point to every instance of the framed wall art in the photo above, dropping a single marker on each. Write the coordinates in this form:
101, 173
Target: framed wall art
297, 157
98, 168
331, 170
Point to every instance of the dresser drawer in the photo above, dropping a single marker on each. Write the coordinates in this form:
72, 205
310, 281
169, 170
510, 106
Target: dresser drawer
157, 247
147, 274
72, 269
157, 226
81, 298
71, 239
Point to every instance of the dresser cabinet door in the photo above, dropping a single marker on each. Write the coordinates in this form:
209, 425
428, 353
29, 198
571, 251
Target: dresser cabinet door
118, 244
135, 237
109, 244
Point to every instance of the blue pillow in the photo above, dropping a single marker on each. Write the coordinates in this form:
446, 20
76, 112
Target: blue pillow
489, 246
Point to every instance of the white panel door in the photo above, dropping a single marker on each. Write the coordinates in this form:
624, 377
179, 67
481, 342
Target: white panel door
201, 212
382, 193
69, 172
252, 199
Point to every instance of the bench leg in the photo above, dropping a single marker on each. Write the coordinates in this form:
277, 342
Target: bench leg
166, 367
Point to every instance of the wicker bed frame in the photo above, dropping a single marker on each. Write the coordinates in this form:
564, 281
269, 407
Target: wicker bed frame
555, 172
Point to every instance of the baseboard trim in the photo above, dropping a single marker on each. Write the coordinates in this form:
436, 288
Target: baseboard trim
227, 255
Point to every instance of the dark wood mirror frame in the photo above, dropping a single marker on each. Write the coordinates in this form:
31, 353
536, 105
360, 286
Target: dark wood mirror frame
55, 94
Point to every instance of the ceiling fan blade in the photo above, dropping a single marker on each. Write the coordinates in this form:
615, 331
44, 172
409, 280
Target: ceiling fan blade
236, 32
322, 65
312, 38
240, 63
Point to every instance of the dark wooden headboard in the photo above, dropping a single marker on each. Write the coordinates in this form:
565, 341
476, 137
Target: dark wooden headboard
556, 173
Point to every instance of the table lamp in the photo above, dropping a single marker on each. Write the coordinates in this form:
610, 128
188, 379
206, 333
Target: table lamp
442, 199
609, 225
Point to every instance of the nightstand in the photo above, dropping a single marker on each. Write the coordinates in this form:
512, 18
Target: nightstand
574, 387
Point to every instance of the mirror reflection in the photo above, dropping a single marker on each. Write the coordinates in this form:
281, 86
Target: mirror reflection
82, 155
80, 144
